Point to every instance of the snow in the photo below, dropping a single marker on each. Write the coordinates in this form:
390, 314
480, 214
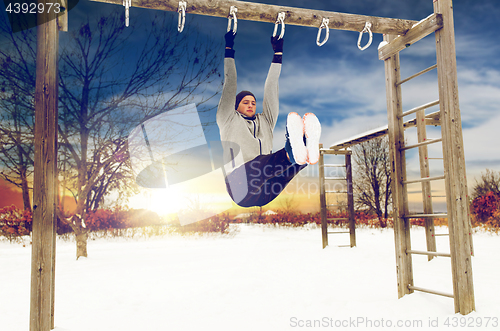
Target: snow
261, 278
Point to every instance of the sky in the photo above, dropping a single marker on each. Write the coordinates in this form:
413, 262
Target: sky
345, 87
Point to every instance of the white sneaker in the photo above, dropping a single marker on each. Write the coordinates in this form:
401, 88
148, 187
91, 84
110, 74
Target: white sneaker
295, 139
312, 129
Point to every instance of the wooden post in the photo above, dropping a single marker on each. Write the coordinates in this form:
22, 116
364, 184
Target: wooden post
45, 176
398, 173
350, 200
426, 186
454, 162
322, 197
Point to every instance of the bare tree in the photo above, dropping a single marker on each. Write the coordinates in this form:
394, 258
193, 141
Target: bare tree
17, 89
372, 180
110, 81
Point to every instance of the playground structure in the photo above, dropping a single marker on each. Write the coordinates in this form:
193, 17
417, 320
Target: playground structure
398, 34
326, 191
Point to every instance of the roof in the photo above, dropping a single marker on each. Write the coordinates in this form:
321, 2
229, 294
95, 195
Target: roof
431, 119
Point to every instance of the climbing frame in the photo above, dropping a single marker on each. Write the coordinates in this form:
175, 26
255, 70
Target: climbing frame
399, 34
326, 192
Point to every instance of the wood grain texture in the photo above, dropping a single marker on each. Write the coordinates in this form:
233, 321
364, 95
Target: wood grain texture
454, 162
322, 198
45, 176
417, 32
398, 172
423, 154
350, 200
268, 13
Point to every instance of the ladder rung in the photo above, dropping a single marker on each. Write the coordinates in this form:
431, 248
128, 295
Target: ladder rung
338, 232
414, 110
427, 179
334, 165
423, 143
344, 246
425, 216
335, 178
438, 196
417, 74
430, 291
330, 151
336, 192
434, 158
428, 253
441, 234
337, 219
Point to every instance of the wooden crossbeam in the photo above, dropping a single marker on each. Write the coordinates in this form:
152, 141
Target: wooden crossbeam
422, 29
268, 13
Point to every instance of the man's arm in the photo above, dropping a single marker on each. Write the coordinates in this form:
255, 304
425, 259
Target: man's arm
271, 89
228, 97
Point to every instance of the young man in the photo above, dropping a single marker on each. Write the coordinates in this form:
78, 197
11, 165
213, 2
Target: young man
256, 175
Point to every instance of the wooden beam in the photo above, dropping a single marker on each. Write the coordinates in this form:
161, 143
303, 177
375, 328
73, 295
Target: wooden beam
350, 200
62, 20
425, 172
457, 200
398, 173
45, 174
268, 13
417, 32
336, 151
322, 198
339, 147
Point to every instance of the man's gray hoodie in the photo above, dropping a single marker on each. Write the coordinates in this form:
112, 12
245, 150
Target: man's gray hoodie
253, 136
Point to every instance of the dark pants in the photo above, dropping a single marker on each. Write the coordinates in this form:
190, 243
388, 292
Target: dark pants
261, 180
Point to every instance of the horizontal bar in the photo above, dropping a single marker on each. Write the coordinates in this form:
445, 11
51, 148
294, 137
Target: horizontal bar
423, 143
414, 110
335, 178
434, 158
441, 234
430, 291
417, 74
335, 151
344, 246
338, 232
421, 180
268, 13
425, 27
425, 216
428, 253
334, 165
438, 196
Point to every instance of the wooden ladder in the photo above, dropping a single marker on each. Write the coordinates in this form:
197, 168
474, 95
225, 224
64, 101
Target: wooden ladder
453, 161
348, 191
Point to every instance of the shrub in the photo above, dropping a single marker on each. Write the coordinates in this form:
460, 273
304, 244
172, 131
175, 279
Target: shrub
484, 207
15, 222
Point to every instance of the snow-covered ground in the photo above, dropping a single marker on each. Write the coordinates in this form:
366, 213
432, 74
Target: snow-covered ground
260, 279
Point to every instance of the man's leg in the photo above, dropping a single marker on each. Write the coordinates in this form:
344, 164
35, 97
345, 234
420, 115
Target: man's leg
265, 178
